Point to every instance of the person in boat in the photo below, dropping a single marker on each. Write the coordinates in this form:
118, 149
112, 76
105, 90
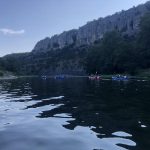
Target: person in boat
125, 77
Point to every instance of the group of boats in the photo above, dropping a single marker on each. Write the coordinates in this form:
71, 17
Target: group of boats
116, 77
93, 77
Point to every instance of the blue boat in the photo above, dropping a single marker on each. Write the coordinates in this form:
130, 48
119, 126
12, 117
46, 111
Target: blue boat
44, 77
120, 78
60, 77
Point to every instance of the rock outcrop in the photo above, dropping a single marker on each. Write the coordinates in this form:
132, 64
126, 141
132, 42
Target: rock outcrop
125, 22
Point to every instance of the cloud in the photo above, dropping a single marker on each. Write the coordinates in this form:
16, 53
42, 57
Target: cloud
6, 31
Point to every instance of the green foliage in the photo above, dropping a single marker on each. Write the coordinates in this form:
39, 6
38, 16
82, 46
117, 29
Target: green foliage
47, 63
1, 74
143, 42
144, 35
114, 54
13, 62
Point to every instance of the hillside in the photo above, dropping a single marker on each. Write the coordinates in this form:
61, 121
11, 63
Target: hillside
114, 44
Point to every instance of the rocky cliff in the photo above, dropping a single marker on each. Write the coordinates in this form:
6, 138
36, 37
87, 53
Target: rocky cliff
125, 22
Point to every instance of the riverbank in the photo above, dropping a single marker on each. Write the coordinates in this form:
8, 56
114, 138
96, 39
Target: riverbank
9, 75
6, 75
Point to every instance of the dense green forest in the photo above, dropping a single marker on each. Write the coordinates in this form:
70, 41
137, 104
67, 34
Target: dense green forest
115, 53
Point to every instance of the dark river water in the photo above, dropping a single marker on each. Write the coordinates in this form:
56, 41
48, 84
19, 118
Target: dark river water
74, 114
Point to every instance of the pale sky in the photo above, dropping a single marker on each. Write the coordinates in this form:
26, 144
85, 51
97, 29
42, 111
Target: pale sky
24, 22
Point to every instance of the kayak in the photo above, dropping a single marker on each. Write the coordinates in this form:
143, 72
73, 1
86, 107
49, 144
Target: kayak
121, 78
44, 77
59, 77
94, 77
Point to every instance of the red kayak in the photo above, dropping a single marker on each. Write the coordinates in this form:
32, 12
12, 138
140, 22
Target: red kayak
94, 77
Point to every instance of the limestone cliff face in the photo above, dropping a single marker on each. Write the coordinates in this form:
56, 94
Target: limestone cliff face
125, 21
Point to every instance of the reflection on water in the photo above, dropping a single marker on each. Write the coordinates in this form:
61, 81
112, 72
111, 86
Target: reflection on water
74, 114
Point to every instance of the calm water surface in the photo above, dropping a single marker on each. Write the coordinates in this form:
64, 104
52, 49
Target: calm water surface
74, 114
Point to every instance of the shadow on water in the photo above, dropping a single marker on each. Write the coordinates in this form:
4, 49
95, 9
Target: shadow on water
116, 112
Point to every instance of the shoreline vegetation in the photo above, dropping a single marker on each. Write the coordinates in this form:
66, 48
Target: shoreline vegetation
11, 76
142, 74
71, 76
